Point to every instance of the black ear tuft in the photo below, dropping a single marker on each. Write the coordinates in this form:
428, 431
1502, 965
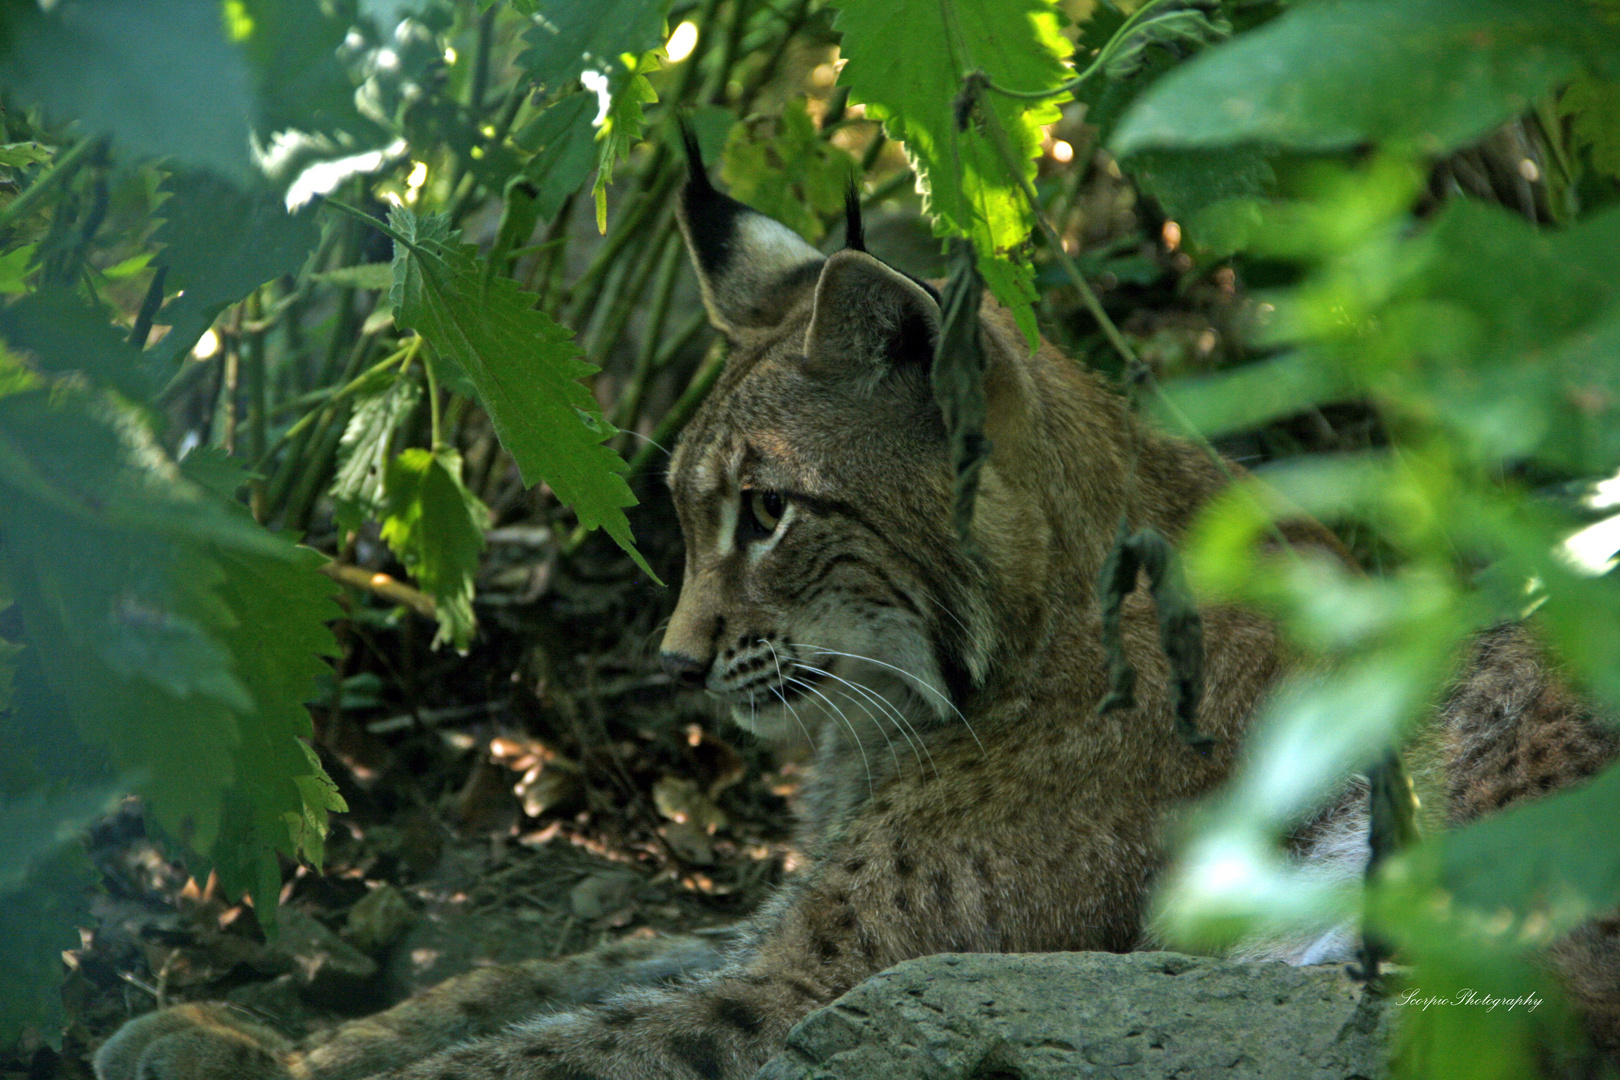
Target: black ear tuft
854, 230
748, 265
696, 175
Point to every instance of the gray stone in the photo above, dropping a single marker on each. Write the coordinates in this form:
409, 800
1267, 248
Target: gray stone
1137, 1016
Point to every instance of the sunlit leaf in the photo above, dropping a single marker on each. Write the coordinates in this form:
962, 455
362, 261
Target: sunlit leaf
436, 527
913, 88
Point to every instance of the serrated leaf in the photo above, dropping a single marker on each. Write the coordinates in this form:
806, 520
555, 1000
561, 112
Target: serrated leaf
913, 89
357, 486
621, 127
222, 242
37, 922
570, 38
1429, 74
280, 609
525, 367
157, 74
1179, 29
436, 528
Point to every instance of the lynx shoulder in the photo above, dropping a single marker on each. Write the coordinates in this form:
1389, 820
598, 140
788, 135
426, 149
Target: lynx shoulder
968, 795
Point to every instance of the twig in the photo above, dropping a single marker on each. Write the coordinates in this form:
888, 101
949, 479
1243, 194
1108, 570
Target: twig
384, 585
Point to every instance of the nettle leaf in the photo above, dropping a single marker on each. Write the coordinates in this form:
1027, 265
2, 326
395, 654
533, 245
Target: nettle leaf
281, 796
62, 333
524, 366
571, 38
1429, 74
222, 242
791, 173
436, 527
563, 143
621, 127
907, 60
1185, 182
37, 922
157, 74
357, 486
1179, 29
20, 154
293, 49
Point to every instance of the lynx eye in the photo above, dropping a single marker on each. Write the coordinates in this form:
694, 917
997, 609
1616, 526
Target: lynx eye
766, 508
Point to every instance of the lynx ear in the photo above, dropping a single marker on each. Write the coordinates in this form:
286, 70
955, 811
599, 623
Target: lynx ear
869, 318
748, 265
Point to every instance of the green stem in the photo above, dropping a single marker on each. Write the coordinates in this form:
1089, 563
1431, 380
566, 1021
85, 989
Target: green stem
435, 420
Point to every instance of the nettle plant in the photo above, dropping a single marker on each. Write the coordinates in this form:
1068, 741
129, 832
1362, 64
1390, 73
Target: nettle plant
213, 377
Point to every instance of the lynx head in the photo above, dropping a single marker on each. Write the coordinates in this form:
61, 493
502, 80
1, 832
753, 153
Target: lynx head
823, 578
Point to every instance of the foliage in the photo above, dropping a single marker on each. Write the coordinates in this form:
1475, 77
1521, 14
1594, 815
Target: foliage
207, 398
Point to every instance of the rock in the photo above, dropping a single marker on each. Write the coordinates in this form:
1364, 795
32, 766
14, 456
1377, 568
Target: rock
1137, 1016
378, 919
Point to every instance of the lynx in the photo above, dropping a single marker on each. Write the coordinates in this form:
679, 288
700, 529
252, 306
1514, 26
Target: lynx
968, 796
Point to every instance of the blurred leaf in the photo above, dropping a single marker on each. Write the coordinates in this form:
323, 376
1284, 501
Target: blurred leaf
378, 275
791, 174
436, 527
1593, 109
300, 83
62, 333
526, 369
570, 38
357, 487
20, 154
913, 88
1185, 182
222, 243
1180, 29
35, 825
37, 922
564, 147
1566, 867
15, 268
1255, 393
1430, 74
94, 61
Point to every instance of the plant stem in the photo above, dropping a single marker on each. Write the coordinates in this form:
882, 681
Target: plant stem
58, 173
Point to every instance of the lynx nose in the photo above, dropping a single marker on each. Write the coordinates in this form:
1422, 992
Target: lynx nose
683, 669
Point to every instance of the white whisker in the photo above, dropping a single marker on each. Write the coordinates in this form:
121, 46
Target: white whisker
921, 683
849, 724
902, 725
853, 733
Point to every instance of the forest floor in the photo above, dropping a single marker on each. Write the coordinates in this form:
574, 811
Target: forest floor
544, 794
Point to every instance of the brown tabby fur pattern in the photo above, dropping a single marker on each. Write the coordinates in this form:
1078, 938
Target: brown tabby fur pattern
967, 795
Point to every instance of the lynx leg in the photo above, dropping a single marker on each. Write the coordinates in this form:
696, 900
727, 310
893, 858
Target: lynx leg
216, 1042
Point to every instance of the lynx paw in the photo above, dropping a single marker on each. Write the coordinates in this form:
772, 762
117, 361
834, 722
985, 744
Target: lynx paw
193, 1042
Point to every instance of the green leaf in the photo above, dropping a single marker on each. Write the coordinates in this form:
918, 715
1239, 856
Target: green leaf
913, 88
37, 922
1186, 182
20, 154
363, 276
525, 367
281, 797
621, 127
293, 49
157, 74
15, 267
570, 38
62, 333
222, 243
436, 527
34, 825
1428, 74
792, 174
564, 146
357, 486
1593, 108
